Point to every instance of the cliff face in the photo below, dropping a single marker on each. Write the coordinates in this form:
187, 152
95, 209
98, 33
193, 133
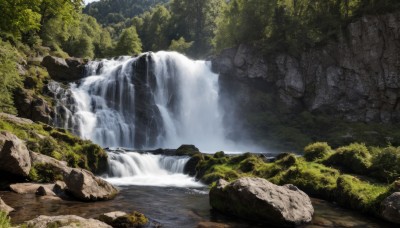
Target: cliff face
356, 78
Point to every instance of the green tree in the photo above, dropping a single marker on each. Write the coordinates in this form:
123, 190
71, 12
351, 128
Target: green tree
129, 43
9, 77
180, 45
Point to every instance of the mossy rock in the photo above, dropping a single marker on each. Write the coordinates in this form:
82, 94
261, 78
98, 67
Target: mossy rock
186, 150
386, 164
191, 166
44, 173
219, 154
286, 159
250, 164
316, 151
135, 219
352, 158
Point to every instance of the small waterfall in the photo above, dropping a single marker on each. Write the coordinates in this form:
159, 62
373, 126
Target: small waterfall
132, 168
154, 100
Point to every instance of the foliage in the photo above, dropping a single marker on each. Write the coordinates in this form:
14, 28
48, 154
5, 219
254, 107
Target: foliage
5, 221
9, 77
318, 150
44, 173
354, 158
385, 165
114, 11
129, 43
180, 45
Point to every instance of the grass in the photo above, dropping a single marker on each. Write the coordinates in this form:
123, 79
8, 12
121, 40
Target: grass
4, 220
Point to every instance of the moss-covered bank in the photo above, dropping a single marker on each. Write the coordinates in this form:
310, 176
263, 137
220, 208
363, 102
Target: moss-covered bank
57, 143
354, 176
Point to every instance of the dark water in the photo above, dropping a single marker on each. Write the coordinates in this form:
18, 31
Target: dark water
172, 207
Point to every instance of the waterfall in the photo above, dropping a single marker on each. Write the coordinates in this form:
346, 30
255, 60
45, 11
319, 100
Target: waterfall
132, 168
154, 100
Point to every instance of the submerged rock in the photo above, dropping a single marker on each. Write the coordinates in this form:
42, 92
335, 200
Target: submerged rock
390, 208
44, 221
259, 200
83, 185
4, 207
14, 156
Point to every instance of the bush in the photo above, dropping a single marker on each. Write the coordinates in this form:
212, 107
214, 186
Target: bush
316, 151
44, 173
386, 164
353, 158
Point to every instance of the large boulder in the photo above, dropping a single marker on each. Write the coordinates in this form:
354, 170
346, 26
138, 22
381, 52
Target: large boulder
44, 221
4, 207
14, 156
83, 185
30, 106
259, 200
64, 70
390, 208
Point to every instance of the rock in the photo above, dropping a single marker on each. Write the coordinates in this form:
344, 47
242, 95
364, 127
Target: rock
44, 221
44, 191
29, 188
59, 187
83, 185
259, 200
190, 166
4, 207
64, 70
14, 156
186, 150
55, 165
390, 208
212, 225
14, 119
135, 219
110, 217
31, 106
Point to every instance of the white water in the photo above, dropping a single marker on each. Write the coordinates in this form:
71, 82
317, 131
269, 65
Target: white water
180, 98
132, 168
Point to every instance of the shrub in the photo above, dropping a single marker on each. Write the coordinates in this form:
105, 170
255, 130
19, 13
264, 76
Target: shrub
353, 158
44, 173
386, 164
318, 150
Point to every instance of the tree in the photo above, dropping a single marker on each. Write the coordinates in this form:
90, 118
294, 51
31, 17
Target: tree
180, 45
129, 43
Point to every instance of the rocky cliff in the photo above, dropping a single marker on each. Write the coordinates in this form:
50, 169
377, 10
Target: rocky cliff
355, 78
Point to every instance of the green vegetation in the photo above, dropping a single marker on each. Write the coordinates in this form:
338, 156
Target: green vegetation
4, 220
58, 144
44, 173
341, 183
318, 150
135, 219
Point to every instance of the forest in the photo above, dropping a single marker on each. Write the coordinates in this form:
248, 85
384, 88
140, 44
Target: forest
197, 28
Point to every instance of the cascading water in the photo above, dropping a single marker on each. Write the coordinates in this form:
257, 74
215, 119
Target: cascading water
132, 168
151, 101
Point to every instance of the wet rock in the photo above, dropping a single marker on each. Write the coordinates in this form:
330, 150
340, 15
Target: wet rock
190, 166
14, 156
212, 225
44, 191
4, 207
29, 188
110, 217
64, 70
44, 221
390, 208
259, 200
83, 185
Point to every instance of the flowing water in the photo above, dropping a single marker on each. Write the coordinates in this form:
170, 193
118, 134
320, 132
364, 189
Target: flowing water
156, 100
155, 186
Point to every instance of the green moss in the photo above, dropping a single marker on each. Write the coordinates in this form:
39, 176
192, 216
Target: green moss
219, 154
316, 151
386, 164
44, 173
135, 219
186, 150
4, 220
353, 158
355, 193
